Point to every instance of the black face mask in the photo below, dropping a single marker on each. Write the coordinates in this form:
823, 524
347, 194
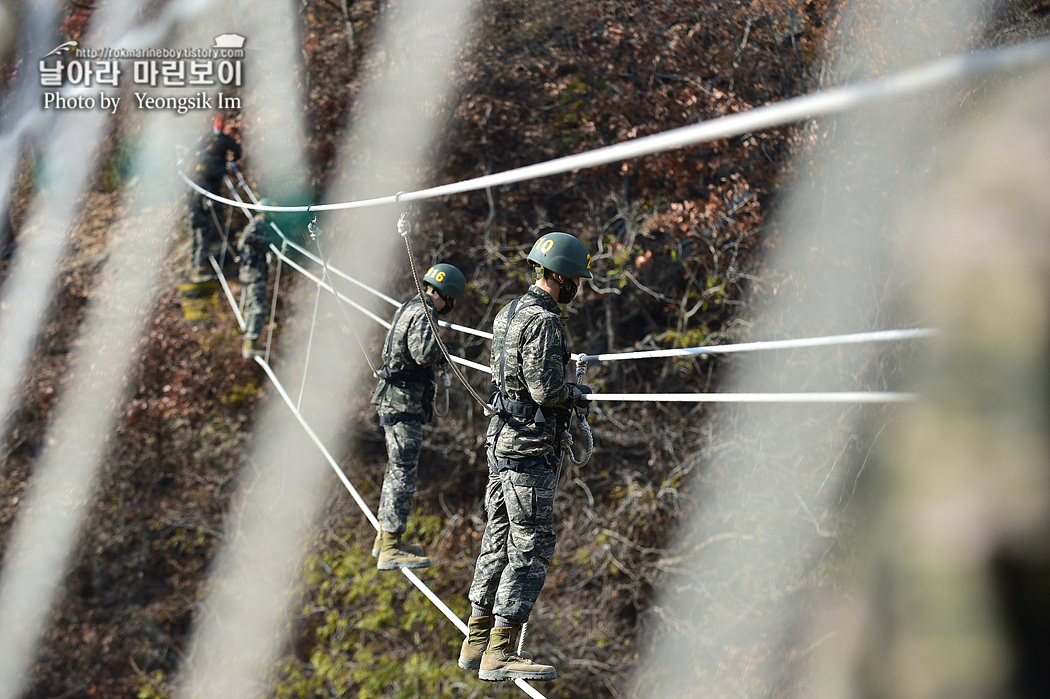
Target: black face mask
450, 303
567, 290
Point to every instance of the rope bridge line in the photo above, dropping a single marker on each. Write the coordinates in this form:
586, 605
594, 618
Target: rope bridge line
822, 341
813, 397
939, 73
936, 73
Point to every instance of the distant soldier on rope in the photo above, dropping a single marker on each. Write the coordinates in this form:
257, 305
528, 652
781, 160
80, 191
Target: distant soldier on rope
252, 247
213, 151
531, 405
404, 400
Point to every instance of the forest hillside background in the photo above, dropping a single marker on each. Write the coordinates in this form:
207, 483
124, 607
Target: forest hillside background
679, 243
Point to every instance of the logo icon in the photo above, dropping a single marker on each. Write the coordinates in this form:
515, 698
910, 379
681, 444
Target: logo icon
66, 46
229, 41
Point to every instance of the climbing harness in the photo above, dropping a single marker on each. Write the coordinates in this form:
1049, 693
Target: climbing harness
501, 403
404, 228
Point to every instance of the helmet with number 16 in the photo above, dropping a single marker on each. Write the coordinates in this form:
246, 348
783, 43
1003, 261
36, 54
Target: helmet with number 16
447, 280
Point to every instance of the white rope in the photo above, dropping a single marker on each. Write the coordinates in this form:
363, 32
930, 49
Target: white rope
938, 73
334, 270
314, 258
838, 397
246, 210
386, 324
318, 443
327, 287
852, 338
465, 329
436, 600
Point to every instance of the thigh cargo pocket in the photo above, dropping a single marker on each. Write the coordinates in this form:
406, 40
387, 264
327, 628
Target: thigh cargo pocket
529, 495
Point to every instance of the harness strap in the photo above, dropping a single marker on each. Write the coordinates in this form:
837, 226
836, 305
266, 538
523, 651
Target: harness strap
400, 375
502, 403
404, 375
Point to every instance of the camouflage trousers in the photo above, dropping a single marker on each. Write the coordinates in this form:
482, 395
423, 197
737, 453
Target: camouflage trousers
518, 543
404, 441
254, 280
207, 239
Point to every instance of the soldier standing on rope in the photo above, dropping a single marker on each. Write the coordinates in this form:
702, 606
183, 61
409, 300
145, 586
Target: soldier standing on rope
404, 400
212, 151
532, 404
254, 273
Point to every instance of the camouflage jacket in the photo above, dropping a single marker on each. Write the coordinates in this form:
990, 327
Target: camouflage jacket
252, 247
410, 346
533, 351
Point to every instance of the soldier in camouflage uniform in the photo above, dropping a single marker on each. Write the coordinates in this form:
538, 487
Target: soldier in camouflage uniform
212, 151
404, 400
254, 273
532, 404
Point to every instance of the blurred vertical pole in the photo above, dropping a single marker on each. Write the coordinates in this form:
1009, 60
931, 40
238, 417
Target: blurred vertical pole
955, 602
733, 617
50, 516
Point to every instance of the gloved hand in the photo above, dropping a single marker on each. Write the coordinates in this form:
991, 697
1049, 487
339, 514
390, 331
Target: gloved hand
579, 390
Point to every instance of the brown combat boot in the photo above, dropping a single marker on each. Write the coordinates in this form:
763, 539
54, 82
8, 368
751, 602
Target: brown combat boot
411, 548
501, 661
392, 554
476, 642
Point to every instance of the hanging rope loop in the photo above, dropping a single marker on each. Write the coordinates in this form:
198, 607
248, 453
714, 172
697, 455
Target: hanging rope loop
446, 382
581, 409
581, 417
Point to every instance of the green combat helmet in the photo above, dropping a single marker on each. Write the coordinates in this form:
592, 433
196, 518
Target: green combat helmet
447, 280
562, 254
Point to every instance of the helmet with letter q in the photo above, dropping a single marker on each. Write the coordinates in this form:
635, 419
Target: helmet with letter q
562, 254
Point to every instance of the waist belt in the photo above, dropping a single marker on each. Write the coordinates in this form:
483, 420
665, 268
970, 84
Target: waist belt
506, 407
388, 419
405, 375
